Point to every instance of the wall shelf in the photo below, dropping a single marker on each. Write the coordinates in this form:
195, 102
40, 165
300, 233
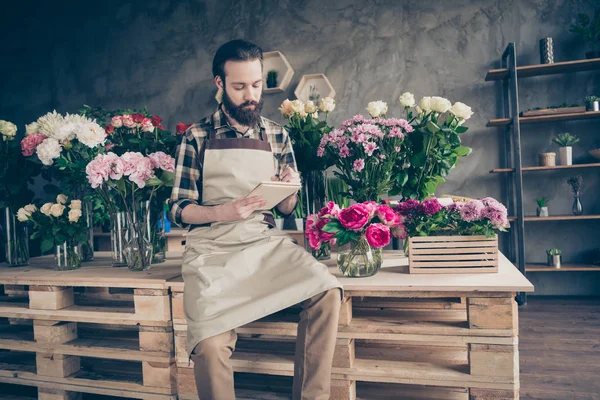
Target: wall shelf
526, 71
545, 118
558, 218
275, 60
544, 168
319, 82
564, 268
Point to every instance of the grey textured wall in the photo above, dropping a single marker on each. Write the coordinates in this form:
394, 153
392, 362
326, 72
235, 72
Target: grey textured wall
59, 55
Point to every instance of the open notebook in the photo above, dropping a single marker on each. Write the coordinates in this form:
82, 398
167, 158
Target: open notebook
274, 192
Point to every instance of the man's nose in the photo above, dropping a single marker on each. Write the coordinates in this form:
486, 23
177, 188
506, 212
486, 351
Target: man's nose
249, 95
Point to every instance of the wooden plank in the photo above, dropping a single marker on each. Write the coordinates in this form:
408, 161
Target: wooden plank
547, 168
344, 353
57, 333
160, 375
56, 365
450, 239
177, 308
156, 339
50, 297
493, 394
153, 304
553, 111
57, 394
342, 389
564, 268
345, 317
492, 313
428, 257
562, 67
494, 360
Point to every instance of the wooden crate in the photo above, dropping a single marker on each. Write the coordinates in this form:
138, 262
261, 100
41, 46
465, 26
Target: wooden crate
97, 330
452, 254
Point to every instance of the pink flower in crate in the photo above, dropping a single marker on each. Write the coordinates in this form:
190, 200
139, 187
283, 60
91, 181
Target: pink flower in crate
496, 212
387, 216
378, 235
161, 160
406, 206
359, 165
456, 206
30, 143
472, 211
355, 217
429, 207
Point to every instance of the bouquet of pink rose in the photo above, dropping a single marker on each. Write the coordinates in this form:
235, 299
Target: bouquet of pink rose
430, 218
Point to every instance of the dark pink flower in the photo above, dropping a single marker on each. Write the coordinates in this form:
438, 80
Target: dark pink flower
378, 235
30, 143
405, 207
388, 216
330, 209
355, 217
429, 207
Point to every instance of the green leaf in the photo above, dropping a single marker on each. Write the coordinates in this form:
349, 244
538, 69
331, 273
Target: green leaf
432, 127
461, 129
333, 227
431, 186
47, 245
463, 151
168, 178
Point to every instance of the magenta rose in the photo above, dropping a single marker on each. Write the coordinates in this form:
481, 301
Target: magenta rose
330, 209
387, 216
378, 235
372, 207
429, 207
311, 232
324, 236
355, 217
405, 207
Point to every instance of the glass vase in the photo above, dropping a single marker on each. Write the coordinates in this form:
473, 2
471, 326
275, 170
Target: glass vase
15, 238
314, 187
68, 256
87, 247
359, 259
119, 236
577, 206
138, 250
324, 253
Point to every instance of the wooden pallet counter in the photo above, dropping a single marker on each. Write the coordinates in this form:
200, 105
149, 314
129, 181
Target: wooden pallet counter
97, 330
443, 336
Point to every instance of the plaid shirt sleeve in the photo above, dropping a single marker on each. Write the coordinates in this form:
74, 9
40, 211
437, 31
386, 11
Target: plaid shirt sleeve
186, 188
286, 152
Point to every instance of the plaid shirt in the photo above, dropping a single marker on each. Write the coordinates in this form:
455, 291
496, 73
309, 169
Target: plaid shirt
187, 188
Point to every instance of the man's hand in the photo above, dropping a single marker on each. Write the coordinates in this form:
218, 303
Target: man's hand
287, 175
240, 209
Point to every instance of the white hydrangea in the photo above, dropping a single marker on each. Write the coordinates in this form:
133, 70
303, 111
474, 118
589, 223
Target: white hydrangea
91, 134
48, 123
48, 150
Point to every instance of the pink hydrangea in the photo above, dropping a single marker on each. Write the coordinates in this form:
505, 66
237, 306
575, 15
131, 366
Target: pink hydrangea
30, 143
472, 211
98, 170
378, 235
429, 207
405, 207
387, 216
137, 167
161, 160
359, 165
355, 217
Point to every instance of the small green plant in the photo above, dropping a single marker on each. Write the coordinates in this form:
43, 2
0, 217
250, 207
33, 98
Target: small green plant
272, 79
565, 139
590, 99
337, 191
541, 201
575, 183
554, 252
589, 28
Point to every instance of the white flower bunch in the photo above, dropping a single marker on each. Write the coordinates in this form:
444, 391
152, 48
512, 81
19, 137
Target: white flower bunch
7, 129
437, 104
290, 108
377, 108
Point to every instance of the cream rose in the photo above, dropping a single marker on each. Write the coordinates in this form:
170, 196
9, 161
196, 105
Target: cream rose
310, 107
46, 209
327, 104
461, 110
377, 108
286, 108
30, 208
298, 107
8, 128
23, 215
74, 215
315, 115
61, 199
407, 100
440, 104
57, 210
425, 104
75, 205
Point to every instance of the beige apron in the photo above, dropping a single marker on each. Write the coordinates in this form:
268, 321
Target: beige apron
238, 272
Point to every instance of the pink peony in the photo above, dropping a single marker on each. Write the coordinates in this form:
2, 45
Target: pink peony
331, 209
429, 207
472, 211
312, 233
128, 121
162, 161
355, 217
404, 208
30, 143
372, 206
400, 231
324, 236
359, 165
388, 216
378, 235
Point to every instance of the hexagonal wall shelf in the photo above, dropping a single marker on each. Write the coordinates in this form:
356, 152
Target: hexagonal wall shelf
274, 60
314, 84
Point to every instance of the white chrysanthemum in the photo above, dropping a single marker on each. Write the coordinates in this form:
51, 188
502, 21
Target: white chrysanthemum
48, 123
31, 128
425, 104
461, 110
67, 131
407, 100
377, 108
48, 150
440, 104
91, 134
78, 119
8, 128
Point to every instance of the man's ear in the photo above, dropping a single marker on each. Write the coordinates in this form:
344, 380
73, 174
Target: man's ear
219, 82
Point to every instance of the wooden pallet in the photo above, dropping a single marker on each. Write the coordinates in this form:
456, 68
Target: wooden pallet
96, 330
453, 254
446, 345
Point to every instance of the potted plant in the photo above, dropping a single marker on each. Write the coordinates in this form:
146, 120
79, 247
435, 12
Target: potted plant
554, 257
589, 28
271, 79
542, 210
566, 141
592, 103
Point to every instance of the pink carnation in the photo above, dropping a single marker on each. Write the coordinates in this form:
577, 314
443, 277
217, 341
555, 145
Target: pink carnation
472, 211
162, 161
344, 152
359, 165
30, 143
429, 207
387, 216
378, 235
355, 217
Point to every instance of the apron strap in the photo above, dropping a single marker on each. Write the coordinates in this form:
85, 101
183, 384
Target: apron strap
263, 135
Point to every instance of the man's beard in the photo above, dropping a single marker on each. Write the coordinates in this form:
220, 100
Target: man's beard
243, 115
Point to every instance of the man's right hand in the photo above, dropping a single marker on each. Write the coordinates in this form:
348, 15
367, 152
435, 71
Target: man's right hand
240, 209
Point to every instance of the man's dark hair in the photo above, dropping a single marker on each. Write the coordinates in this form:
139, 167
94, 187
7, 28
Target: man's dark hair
235, 50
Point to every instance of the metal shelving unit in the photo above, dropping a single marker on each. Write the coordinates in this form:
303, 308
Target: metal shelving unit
510, 74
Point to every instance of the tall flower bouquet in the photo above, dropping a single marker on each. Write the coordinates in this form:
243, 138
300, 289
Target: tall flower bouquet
367, 227
366, 152
60, 226
126, 182
307, 123
433, 148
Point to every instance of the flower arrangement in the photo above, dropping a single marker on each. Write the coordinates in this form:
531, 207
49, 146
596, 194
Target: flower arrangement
15, 172
366, 150
57, 224
434, 146
126, 181
430, 218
